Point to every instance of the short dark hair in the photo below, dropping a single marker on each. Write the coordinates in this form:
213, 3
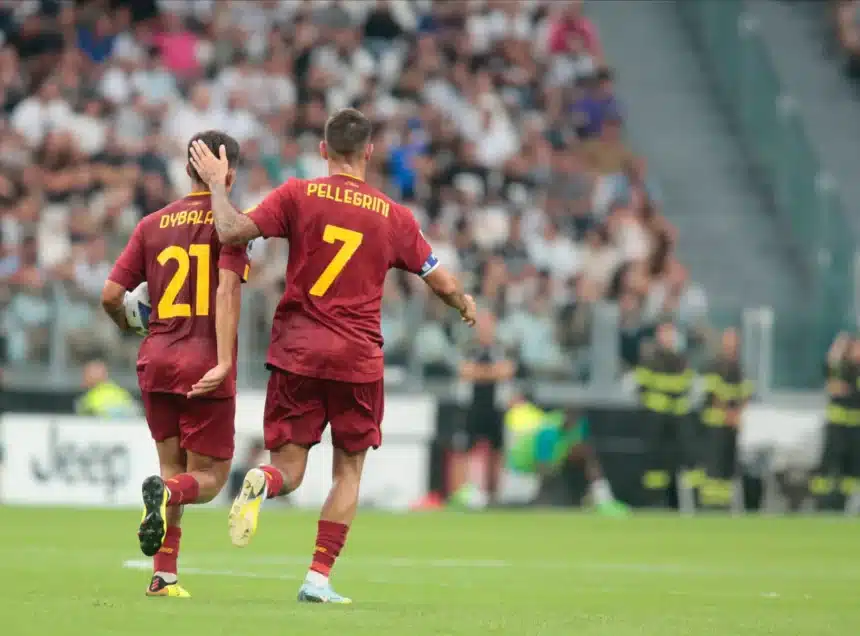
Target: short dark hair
347, 132
214, 139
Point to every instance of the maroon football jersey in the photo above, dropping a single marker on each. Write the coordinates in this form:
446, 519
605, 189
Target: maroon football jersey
344, 236
176, 250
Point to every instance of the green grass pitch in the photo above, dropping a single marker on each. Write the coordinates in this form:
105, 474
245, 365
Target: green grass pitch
72, 573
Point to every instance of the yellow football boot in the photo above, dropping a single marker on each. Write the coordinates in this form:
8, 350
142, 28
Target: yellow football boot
245, 510
158, 587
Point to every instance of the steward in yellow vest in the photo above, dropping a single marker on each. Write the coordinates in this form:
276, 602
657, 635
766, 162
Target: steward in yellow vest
837, 477
727, 392
664, 379
103, 397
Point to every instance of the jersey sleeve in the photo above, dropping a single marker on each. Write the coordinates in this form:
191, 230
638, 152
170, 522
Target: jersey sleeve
236, 259
412, 251
274, 213
130, 268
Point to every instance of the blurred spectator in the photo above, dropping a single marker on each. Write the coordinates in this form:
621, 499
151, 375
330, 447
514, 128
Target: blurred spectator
672, 297
569, 26
34, 116
27, 315
394, 322
533, 333
97, 39
554, 252
92, 268
104, 398
24, 266
178, 46
153, 81
239, 121
286, 164
198, 113
600, 258
607, 153
152, 193
381, 26
257, 187
433, 346
596, 103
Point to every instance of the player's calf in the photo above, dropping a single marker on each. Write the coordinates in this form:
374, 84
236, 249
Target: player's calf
258, 485
337, 514
164, 500
159, 528
201, 483
281, 477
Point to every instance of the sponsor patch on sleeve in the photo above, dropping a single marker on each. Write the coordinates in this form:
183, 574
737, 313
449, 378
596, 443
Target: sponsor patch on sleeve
429, 265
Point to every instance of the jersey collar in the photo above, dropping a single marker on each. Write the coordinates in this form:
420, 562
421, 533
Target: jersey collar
348, 176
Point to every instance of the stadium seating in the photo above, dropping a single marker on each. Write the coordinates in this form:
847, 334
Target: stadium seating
496, 123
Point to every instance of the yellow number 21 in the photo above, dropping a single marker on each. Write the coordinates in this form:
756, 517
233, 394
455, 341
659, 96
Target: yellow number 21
351, 240
167, 306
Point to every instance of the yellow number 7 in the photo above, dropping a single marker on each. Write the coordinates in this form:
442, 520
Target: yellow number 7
351, 240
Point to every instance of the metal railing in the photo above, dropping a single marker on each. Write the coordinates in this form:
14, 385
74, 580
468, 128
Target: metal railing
772, 355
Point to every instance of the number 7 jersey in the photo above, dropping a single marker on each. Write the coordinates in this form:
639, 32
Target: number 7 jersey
177, 251
344, 236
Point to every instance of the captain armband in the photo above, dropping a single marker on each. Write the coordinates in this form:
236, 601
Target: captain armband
429, 265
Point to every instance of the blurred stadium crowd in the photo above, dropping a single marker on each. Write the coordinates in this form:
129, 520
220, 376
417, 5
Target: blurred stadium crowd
496, 122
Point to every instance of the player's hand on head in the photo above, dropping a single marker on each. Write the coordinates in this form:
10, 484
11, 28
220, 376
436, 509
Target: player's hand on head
212, 169
470, 310
209, 382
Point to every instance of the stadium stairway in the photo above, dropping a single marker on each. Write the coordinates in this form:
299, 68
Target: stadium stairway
729, 238
829, 105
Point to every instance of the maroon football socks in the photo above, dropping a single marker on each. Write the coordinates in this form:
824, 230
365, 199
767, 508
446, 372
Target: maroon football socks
330, 539
274, 481
182, 489
165, 560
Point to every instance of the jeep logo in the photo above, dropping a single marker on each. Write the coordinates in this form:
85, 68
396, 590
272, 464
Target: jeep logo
95, 464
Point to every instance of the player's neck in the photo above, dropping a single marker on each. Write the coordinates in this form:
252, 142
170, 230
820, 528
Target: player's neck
198, 188
348, 170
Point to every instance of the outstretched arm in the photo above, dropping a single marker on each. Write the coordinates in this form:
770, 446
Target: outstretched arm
415, 255
233, 227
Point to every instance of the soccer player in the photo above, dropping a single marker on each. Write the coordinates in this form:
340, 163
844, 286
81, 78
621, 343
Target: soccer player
186, 364
325, 355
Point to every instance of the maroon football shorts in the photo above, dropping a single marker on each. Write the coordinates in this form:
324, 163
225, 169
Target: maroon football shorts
299, 407
203, 426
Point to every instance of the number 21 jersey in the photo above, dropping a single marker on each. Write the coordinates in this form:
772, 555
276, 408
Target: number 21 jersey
344, 236
177, 251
